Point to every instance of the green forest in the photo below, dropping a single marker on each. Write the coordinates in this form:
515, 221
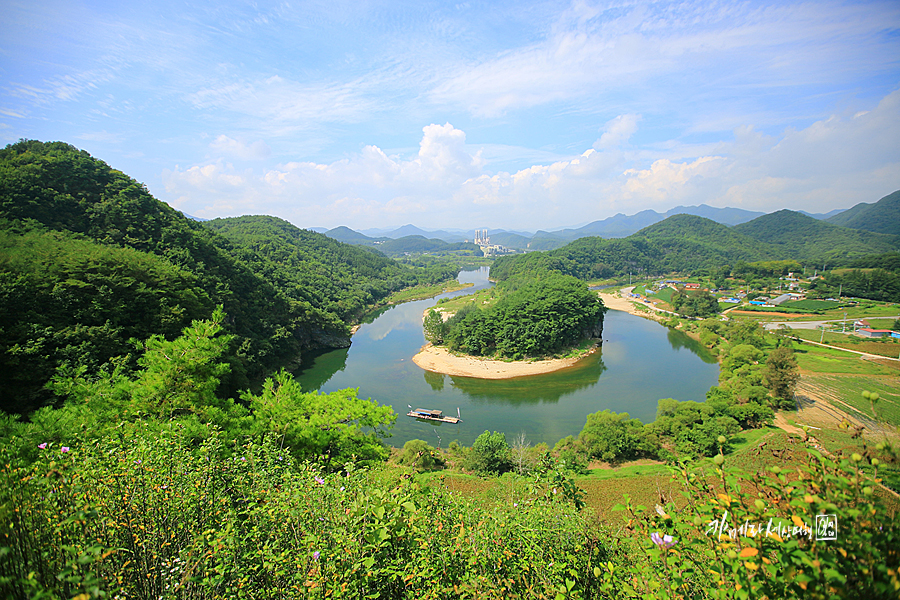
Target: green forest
533, 317
92, 263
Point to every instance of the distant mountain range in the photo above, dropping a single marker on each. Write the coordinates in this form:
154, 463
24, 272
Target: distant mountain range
880, 217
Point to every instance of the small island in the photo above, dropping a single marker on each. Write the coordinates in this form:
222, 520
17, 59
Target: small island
529, 327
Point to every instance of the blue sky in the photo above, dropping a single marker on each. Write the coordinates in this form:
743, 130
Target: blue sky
516, 115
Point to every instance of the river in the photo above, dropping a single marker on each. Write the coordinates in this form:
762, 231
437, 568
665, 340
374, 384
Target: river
640, 362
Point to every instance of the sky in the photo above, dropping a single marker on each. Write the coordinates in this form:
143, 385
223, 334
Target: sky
513, 115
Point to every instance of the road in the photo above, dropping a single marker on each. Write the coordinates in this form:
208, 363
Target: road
816, 324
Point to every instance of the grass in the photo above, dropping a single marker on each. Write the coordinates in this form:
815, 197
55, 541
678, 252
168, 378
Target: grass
480, 298
665, 295
811, 304
817, 359
884, 347
849, 389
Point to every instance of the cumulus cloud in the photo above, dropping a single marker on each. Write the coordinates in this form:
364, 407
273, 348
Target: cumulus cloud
617, 131
832, 163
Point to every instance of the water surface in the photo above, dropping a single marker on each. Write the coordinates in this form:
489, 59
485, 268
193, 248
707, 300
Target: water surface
639, 363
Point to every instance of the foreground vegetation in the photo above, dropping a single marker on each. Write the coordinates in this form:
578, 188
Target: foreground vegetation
143, 514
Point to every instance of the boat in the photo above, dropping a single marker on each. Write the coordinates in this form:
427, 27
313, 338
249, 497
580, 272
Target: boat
432, 415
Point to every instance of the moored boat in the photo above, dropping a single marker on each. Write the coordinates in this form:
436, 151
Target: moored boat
432, 415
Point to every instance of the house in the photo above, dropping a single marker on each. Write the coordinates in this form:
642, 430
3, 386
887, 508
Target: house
692, 286
873, 333
731, 300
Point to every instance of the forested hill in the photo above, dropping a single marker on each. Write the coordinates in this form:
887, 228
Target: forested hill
310, 267
688, 243
792, 235
89, 260
881, 217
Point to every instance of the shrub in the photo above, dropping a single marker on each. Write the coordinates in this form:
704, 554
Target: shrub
490, 454
419, 455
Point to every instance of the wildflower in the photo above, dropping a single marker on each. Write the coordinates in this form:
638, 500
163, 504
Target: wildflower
64, 449
663, 541
319, 480
316, 555
137, 462
42, 446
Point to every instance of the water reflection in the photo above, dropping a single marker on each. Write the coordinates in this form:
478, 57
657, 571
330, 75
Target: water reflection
435, 380
679, 340
547, 388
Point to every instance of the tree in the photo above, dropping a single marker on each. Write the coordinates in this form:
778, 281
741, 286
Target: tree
782, 374
614, 437
490, 454
421, 456
434, 327
339, 425
697, 304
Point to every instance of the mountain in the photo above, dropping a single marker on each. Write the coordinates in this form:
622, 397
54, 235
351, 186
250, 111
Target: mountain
340, 280
880, 217
412, 230
687, 243
803, 238
349, 236
90, 261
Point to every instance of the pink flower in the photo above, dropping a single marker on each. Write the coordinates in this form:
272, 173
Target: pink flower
42, 446
319, 480
663, 541
316, 555
64, 449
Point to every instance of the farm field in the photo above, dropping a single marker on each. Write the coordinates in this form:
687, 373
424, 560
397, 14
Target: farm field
885, 347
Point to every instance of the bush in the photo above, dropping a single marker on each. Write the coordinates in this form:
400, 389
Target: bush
143, 516
419, 455
490, 454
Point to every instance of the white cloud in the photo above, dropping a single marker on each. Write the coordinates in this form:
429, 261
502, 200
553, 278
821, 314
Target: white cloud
641, 55
617, 131
224, 145
833, 163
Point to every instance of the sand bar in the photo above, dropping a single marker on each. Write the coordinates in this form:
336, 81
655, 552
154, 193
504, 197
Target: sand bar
440, 360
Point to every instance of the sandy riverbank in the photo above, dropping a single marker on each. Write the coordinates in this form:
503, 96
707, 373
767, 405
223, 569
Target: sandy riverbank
439, 360
620, 301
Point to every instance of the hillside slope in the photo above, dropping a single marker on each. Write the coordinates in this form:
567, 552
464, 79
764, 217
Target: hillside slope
337, 278
797, 236
81, 239
880, 217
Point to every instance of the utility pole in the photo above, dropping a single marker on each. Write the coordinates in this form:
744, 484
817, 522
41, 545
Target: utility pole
822, 337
